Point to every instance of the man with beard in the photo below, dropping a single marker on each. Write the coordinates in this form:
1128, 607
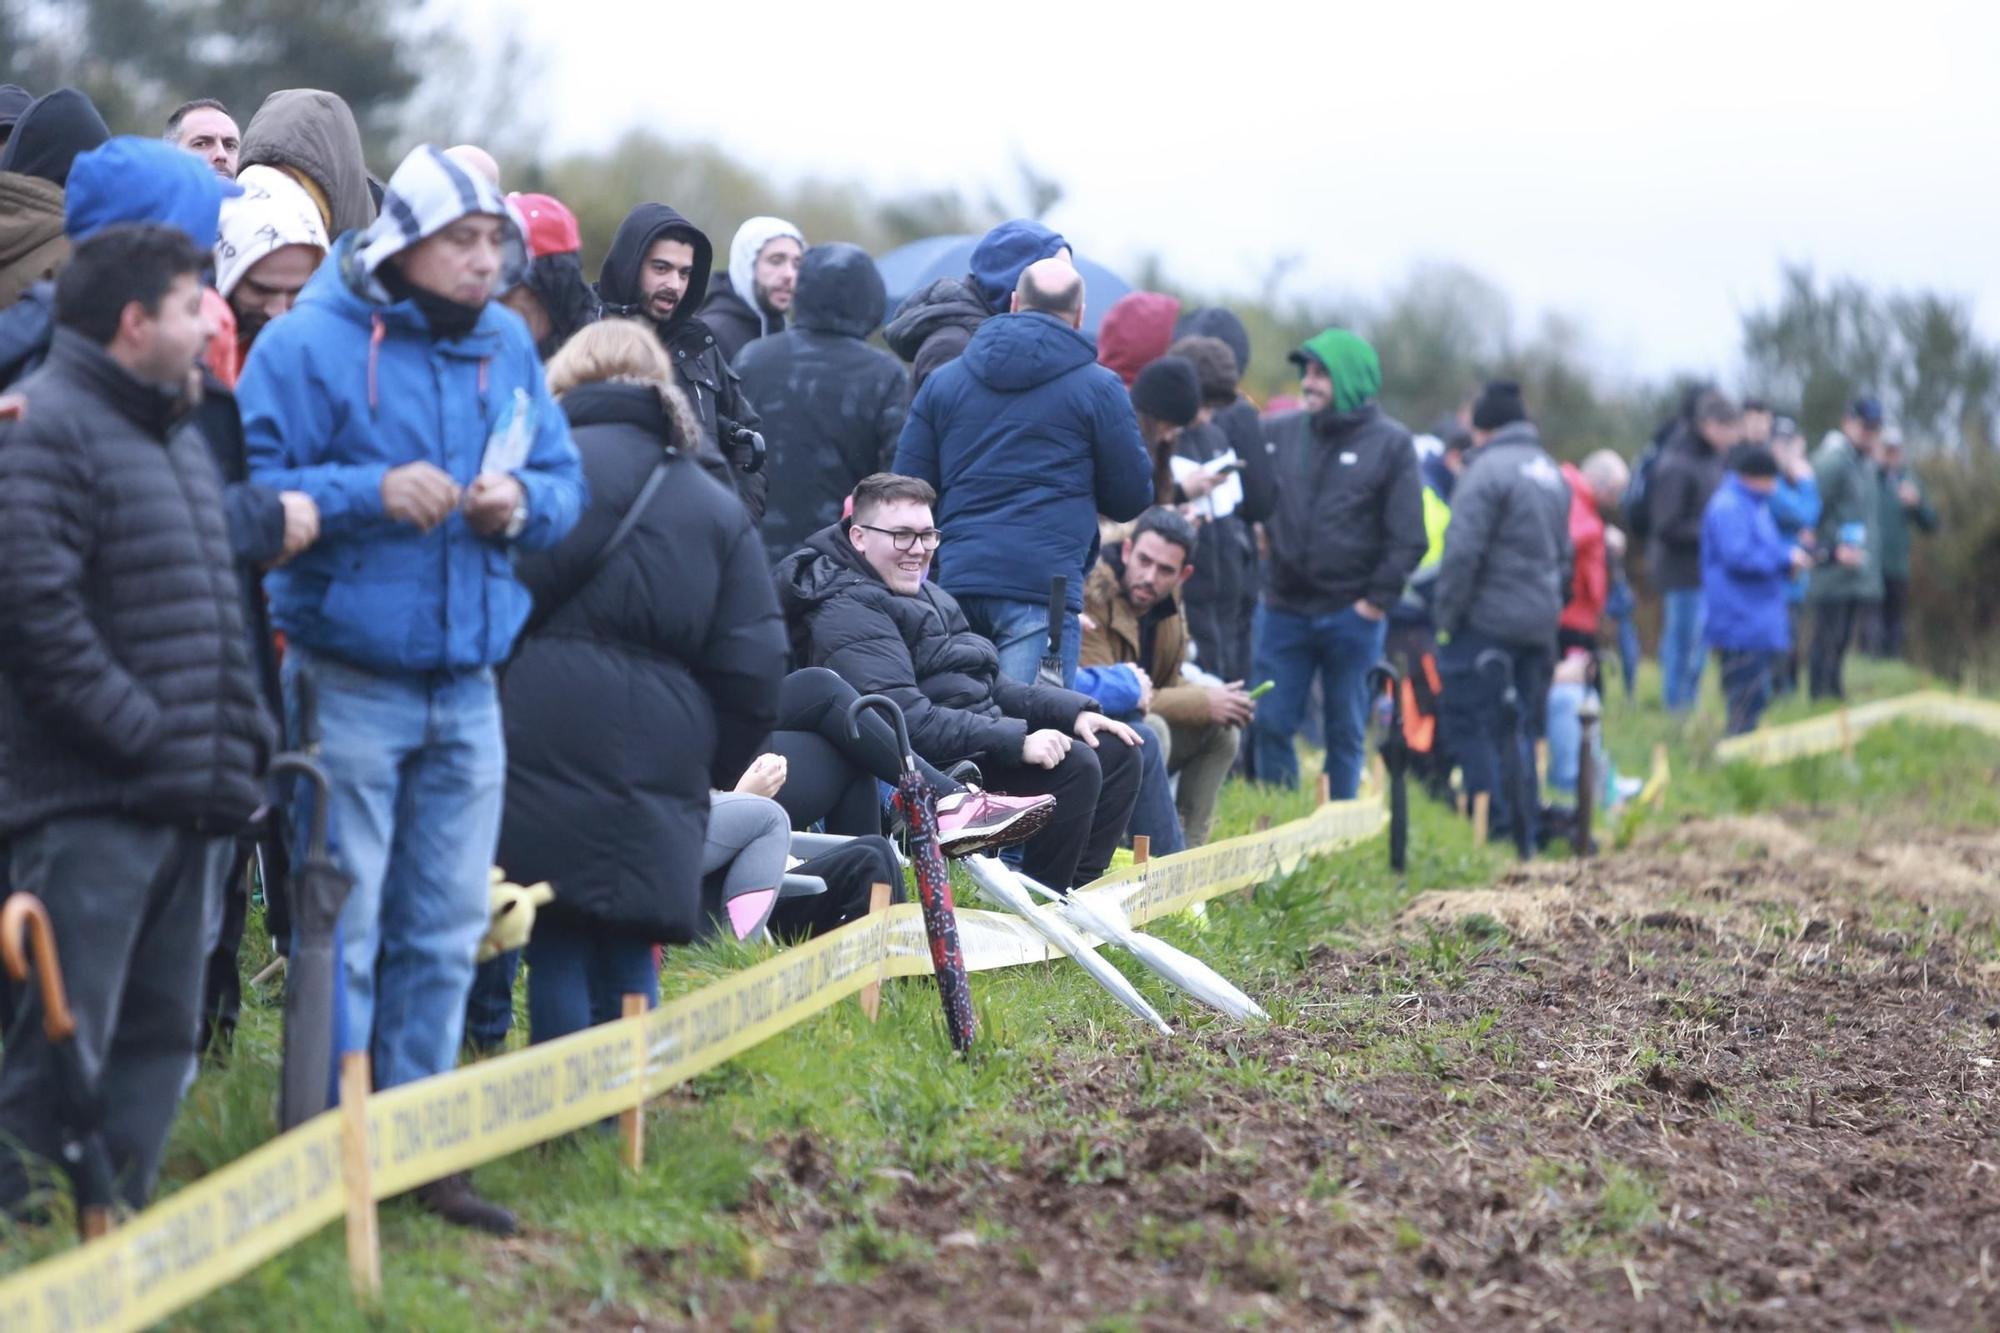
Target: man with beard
753, 299
205, 128
657, 270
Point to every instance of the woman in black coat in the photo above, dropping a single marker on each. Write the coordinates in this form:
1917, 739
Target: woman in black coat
642, 681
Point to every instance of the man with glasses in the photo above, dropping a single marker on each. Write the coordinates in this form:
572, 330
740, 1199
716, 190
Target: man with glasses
857, 602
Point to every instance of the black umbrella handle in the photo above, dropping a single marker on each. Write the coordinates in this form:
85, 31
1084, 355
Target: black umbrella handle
307, 767
1485, 663
889, 709
1058, 605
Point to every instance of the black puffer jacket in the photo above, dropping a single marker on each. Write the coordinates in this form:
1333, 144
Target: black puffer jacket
833, 406
126, 685
917, 650
933, 325
1339, 496
640, 690
712, 387
255, 517
1221, 593
1684, 480
732, 321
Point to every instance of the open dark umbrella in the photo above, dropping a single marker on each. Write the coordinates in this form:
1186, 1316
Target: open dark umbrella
319, 889
917, 803
25, 929
1384, 677
1513, 771
1051, 672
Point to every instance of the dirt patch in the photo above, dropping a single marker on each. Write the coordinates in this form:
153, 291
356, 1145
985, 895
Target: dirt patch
1694, 1085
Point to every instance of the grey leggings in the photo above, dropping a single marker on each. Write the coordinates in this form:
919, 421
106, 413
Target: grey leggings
748, 837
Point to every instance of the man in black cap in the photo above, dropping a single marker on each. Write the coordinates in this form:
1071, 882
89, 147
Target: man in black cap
1499, 599
1848, 575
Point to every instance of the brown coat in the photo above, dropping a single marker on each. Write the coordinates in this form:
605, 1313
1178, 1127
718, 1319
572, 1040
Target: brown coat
1113, 638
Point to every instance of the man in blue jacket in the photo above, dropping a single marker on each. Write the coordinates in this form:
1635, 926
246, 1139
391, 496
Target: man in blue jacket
1027, 440
411, 408
1747, 567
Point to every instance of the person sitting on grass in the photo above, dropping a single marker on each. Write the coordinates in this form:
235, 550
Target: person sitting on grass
856, 601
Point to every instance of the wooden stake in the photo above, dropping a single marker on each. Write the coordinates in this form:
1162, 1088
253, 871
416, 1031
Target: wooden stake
364, 1241
632, 1120
1250, 889
1142, 849
1380, 768
1325, 792
1542, 762
1482, 810
871, 994
1846, 736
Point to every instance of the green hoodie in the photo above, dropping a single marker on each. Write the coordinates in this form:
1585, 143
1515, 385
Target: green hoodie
1350, 361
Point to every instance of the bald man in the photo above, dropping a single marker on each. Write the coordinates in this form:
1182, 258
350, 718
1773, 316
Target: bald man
476, 160
1026, 440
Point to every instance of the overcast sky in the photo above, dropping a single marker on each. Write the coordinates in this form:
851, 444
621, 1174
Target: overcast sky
1644, 168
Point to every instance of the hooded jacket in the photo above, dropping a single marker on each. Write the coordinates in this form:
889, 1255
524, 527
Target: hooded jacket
712, 387
1686, 476
1897, 522
833, 406
933, 325
1136, 332
126, 685
1217, 322
1591, 586
919, 651
1507, 554
1003, 254
1027, 440
14, 100
312, 136
1746, 572
1338, 495
51, 132
732, 311
1220, 597
654, 681
351, 384
32, 244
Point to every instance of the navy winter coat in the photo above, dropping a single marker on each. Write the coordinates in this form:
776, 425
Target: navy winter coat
1746, 572
1027, 440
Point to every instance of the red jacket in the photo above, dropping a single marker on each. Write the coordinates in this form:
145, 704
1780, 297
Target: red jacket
1136, 332
1592, 582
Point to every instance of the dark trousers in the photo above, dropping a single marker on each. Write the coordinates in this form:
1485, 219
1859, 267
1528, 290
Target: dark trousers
851, 873
1826, 658
1478, 729
831, 776
1746, 687
1095, 791
134, 907
1892, 613
579, 974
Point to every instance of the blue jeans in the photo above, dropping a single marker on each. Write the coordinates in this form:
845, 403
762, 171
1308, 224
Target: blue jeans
489, 1008
1565, 728
1478, 730
1681, 649
580, 974
1020, 630
1618, 606
417, 764
1155, 816
1291, 650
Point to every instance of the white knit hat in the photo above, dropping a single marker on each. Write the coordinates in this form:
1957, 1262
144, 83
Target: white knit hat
273, 211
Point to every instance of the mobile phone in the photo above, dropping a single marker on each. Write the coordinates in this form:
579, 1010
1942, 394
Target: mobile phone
1263, 689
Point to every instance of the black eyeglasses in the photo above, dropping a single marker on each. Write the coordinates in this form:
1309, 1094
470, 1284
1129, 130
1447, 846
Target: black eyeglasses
905, 540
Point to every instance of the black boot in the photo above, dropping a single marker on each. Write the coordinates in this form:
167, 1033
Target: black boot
454, 1199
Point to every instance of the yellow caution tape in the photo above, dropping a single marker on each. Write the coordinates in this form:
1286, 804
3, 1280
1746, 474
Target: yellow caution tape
233, 1219
1829, 732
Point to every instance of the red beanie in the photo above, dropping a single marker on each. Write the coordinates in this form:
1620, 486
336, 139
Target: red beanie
552, 229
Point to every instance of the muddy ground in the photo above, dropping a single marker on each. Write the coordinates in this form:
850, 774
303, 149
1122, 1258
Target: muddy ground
1727, 1079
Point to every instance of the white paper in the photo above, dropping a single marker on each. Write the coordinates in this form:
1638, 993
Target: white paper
507, 447
1220, 502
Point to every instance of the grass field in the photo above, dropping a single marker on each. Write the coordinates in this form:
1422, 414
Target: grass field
1457, 1116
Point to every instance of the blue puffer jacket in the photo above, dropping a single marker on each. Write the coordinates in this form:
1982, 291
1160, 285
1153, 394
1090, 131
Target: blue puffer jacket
343, 389
1027, 439
1746, 570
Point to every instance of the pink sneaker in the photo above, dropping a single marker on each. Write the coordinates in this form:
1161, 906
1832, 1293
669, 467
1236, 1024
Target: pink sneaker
975, 821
